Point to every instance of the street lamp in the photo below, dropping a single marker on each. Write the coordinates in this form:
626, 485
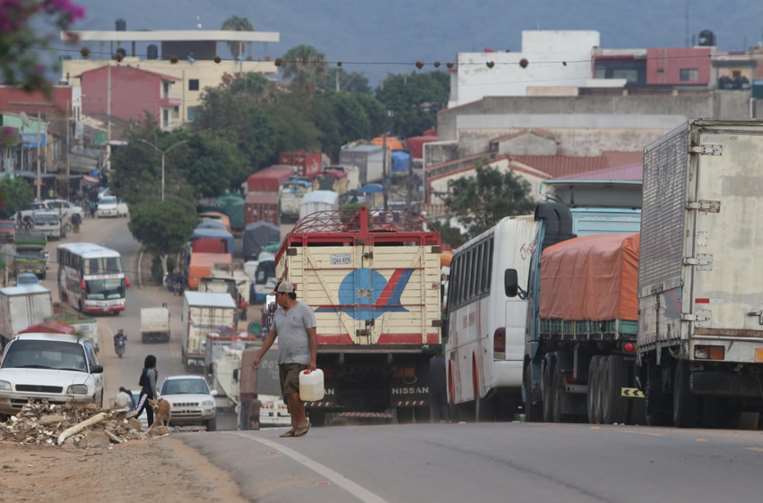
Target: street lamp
163, 152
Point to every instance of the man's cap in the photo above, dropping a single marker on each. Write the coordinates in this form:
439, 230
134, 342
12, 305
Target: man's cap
286, 287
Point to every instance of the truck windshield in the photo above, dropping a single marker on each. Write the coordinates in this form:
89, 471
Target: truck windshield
103, 265
105, 289
185, 387
57, 355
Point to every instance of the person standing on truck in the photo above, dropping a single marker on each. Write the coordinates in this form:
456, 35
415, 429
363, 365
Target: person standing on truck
148, 379
294, 325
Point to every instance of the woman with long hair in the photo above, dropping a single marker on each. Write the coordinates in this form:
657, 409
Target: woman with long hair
148, 378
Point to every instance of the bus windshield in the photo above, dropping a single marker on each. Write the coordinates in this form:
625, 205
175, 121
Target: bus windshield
105, 289
103, 265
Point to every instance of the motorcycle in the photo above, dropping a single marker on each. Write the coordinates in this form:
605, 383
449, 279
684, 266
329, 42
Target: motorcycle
119, 345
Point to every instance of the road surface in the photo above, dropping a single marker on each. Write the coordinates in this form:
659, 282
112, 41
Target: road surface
514, 462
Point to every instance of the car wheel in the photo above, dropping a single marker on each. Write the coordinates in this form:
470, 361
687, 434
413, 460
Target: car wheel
212, 424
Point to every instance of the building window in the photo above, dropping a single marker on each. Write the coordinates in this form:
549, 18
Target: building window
165, 89
193, 112
193, 84
165, 117
689, 74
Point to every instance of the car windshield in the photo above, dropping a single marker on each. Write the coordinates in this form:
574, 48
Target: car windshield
27, 279
103, 265
105, 289
109, 200
185, 387
57, 355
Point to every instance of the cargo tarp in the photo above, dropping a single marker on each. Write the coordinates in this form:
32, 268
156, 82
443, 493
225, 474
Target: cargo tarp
591, 278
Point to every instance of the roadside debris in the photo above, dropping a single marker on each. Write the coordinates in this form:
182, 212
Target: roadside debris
41, 423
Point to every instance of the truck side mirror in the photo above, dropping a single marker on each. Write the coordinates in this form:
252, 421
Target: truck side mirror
511, 282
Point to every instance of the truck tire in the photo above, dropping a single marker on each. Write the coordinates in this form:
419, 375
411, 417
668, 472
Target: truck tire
593, 386
558, 398
601, 376
614, 407
685, 405
547, 389
533, 411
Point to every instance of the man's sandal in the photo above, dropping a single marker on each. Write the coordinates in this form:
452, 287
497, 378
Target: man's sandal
301, 432
287, 434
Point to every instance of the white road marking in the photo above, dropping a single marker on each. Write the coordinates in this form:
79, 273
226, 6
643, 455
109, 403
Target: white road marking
340, 480
645, 433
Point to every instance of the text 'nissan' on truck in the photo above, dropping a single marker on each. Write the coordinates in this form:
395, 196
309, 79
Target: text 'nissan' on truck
684, 343
373, 281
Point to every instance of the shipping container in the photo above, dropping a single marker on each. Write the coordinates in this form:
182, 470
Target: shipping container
262, 212
209, 245
204, 313
308, 163
269, 179
369, 159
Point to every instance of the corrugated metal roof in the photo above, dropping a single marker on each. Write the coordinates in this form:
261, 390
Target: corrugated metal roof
208, 299
561, 165
630, 173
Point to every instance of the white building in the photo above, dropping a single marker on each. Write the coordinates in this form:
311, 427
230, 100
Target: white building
558, 63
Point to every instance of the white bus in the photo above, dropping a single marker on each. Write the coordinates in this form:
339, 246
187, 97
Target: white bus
485, 347
91, 279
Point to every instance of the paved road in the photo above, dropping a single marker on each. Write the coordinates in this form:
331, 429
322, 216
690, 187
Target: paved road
515, 462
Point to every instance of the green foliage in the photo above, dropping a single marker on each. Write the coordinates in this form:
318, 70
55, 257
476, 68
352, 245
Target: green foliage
237, 23
162, 227
479, 202
450, 235
15, 195
414, 100
210, 163
349, 82
305, 68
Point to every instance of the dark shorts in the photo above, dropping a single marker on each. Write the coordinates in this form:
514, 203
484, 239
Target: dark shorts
289, 374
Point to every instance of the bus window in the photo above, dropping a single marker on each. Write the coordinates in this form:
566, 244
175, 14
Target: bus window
479, 264
489, 267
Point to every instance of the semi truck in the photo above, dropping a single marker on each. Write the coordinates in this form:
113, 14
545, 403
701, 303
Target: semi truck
696, 355
375, 290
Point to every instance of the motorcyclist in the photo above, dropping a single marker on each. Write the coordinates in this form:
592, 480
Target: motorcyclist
120, 339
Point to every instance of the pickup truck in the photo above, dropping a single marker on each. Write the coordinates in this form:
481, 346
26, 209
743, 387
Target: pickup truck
61, 207
30, 254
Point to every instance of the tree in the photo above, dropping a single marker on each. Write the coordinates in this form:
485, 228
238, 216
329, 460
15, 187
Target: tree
210, 163
350, 82
479, 202
450, 235
163, 227
15, 195
305, 68
237, 23
414, 100
23, 24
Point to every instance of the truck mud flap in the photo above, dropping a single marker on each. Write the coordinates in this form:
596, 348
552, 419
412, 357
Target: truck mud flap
726, 384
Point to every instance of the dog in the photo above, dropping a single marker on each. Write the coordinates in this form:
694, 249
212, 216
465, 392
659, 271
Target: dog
162, 412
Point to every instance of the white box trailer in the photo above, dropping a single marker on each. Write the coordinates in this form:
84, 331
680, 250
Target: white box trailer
155, 324
700, 283
21, 307
375, 291
203, 313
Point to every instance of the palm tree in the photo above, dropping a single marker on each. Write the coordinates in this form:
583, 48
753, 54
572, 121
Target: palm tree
237, 23
305, 67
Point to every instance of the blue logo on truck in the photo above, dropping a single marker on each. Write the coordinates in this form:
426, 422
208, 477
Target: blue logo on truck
364, 294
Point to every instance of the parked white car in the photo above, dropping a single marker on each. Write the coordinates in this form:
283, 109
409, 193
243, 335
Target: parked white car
110, 206
63, 207
54, 367
192, 402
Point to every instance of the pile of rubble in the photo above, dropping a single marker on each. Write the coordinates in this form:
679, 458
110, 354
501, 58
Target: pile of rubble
40, 423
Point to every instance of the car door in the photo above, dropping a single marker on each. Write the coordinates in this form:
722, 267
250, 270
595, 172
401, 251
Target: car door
93, 361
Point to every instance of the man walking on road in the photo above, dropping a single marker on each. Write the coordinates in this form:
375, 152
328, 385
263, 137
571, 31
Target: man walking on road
294, 325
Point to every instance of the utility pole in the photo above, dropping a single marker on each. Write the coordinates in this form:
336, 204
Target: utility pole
337, 80
384, 170
68, 151
163, 154
108, 114
39, 148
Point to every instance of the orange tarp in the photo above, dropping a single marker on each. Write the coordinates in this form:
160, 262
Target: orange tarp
201, 265
591, 278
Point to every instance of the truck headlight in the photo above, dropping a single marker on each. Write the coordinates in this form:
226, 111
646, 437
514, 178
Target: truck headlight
5, 386
77, 389
207, 404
